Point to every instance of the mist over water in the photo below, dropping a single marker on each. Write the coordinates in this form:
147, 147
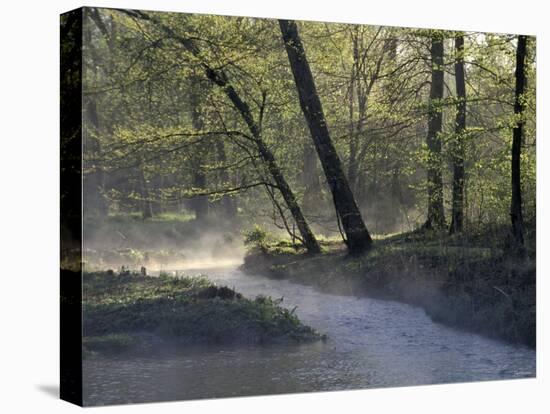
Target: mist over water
372, 343
162, 246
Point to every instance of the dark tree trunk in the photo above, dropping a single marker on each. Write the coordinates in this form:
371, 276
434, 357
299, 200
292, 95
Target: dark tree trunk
458, 150
516, 213
436, 215
219, 78
358, 237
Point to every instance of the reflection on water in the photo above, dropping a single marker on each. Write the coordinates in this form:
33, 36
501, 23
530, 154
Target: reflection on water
372, 343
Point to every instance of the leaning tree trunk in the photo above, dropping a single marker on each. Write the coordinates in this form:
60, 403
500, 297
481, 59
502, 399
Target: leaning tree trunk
458, 150
516, 213
358, 237
436, 215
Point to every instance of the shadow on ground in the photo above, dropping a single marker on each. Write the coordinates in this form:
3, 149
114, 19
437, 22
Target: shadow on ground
50, 389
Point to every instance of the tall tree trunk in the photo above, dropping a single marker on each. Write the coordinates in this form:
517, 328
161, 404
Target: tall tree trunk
219, 78
358, 237
516, 213
458, 150
436, 215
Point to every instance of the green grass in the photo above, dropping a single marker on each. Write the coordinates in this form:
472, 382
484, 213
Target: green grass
184, 309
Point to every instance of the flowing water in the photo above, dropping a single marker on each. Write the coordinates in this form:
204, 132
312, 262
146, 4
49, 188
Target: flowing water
372, 343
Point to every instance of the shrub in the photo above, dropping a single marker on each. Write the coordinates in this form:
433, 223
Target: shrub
257, 238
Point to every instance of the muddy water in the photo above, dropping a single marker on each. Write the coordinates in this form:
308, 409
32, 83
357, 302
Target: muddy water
372, 343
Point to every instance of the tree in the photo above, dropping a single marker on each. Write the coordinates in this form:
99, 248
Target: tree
436, 214
219, 78
516, 213
373, 83
357, 236
460, 128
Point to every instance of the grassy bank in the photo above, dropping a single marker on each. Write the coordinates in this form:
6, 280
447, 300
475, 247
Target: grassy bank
457, 280
130, 311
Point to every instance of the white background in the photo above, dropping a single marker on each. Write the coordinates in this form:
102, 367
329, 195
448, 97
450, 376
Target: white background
29, 174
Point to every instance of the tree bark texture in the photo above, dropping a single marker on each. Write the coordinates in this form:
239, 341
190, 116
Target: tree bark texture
458, 150
357, 236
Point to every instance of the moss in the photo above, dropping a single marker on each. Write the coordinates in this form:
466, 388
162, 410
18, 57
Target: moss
184, 309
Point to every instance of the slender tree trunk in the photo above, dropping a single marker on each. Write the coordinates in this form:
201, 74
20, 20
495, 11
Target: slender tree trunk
458, 150
436, 215
358, 237
516, 213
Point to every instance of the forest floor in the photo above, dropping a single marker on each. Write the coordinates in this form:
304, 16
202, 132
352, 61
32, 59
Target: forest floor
457, 280
131, 312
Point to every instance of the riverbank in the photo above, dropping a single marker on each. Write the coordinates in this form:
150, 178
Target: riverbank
132, 312
456, 280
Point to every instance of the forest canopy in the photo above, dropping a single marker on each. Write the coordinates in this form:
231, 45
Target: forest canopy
308, 128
